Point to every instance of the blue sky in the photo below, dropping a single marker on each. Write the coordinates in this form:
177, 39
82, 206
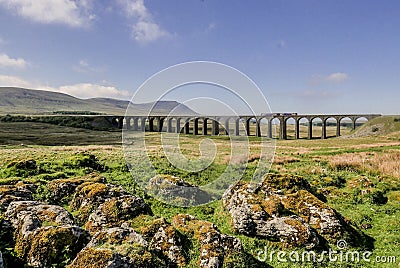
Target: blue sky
311, 56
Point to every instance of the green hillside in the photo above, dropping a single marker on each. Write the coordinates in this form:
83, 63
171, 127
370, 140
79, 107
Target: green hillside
27, 101
378, 126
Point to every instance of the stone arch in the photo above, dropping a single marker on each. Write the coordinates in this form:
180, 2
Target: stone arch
330, 125
275, 124
240, 126
303, 127
359, 121
291, 127
252, 126
171, 124
180, 122
229, 126
315, 127
345, 125
114, 122
264, 126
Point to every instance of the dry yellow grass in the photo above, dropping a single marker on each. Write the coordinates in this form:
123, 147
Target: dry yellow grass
386, 163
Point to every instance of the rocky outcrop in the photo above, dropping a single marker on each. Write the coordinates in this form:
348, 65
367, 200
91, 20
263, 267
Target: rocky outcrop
282, 208
176, 191
167, 243
98, 257
44, 235
61, 189
115, 247
214, 246
90, 195
116, 210
326, 220
17, 192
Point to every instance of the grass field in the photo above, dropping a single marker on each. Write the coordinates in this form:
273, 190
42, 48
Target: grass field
360, 177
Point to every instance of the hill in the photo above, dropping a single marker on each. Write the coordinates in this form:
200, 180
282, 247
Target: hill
28, 101
383, 125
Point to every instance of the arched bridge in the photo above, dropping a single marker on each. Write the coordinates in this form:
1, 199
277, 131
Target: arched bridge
248, 125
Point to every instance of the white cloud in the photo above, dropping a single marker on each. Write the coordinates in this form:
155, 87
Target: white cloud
84, 66
337, 77
83, 90
75, 13
13, 81
6, 61
87, 90
144, 29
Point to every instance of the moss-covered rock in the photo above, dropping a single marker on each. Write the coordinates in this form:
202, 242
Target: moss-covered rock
214, 246
44, 235
174, 190
62, 189
263, 210
116, 210
90, 195
284, 183
18, 192
98, 257
167, 243
51, 245
22, 168
257, 210
116, 247
327, 221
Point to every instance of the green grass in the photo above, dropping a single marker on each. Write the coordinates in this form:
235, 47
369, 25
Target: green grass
312, 162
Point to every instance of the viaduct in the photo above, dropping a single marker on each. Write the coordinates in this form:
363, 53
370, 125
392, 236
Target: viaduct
178, 124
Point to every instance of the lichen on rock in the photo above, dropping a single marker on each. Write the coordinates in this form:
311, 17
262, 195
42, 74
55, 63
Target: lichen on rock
116, 210
282, 208
89, 195
44, 234
61, 189
18, 192
174, 190
115, 247
214, 246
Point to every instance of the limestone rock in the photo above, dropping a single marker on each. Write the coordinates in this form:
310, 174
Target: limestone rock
48, 245
214, 246
89, 195
63, 188
115, 247
177, 191
44, 234
21, 213
320, 216
114, 211
261, 213
98, 257
17, 192
282, 208
167, 242
117, 236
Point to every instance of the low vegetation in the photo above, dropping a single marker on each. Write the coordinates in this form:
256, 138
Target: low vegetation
357, 177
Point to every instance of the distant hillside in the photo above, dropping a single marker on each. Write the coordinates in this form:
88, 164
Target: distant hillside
378, 126
27, 101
